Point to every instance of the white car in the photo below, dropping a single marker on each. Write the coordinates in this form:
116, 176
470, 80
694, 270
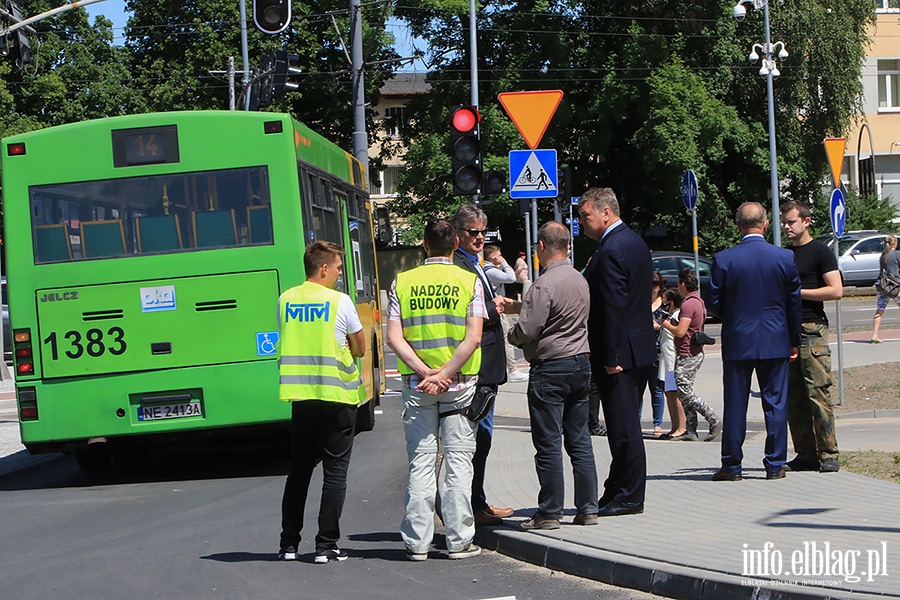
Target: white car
859, 253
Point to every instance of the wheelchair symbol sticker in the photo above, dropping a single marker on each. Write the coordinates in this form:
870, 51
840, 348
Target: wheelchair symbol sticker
266, 343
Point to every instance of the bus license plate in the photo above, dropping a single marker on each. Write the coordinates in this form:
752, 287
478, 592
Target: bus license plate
169, 411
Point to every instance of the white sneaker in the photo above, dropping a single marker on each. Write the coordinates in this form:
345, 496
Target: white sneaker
468, 552
517, 376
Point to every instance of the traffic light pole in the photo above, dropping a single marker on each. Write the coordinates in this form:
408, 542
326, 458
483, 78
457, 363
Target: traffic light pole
360, 138
245, 53
473, 70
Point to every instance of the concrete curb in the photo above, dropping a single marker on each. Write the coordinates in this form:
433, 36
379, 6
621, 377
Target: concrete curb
634, 572
891, 413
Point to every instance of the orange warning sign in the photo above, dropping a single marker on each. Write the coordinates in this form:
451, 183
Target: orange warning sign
834, 148
531, 112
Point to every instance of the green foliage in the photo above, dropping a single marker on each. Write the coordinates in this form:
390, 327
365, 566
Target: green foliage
863, 212
651, 89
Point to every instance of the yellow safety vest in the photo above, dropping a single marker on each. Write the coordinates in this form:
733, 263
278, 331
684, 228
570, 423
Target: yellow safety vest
311, 364
434, 300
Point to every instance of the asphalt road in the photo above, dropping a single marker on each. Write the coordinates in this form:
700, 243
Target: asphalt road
204, 523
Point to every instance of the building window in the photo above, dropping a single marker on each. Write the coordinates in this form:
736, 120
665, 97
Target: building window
393, 121
889, 83
887, 5
386, 184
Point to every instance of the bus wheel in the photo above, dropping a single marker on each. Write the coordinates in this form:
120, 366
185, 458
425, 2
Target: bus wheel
93, 457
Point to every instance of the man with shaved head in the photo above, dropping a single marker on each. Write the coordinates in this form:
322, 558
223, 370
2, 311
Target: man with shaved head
755, 289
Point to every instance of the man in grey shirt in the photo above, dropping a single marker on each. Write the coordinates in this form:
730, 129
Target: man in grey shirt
552, 331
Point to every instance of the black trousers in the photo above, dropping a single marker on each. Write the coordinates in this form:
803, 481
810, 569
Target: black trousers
620, 395
320, 432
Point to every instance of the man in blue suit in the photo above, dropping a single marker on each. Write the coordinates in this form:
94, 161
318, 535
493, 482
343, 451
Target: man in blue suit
622, 342
755, 289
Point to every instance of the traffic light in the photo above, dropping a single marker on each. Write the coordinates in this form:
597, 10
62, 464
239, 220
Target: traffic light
495, 182
264, 85
271, 16
465, 150
21, 52
283, 69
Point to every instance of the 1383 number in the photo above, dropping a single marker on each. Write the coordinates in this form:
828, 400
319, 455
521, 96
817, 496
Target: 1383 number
93, 342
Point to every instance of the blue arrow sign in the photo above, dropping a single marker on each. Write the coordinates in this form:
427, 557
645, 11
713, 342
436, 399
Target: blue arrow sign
838, 212
689, 189
533, 174
574, 226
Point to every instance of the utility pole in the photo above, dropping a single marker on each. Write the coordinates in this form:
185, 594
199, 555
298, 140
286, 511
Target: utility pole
360, 138
245, 53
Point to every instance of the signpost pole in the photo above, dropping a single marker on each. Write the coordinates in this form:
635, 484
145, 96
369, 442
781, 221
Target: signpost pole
840, 337
696, 242
571, 236
535, 267
838, 214
689, 193
528, 250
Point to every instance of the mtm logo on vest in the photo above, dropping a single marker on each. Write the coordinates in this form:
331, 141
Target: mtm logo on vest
425, 297
306, 312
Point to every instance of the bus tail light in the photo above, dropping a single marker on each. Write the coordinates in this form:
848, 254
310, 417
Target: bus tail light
23, 352
16, 149
28, 410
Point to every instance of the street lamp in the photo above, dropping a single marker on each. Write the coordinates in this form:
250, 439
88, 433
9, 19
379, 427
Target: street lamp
769, 70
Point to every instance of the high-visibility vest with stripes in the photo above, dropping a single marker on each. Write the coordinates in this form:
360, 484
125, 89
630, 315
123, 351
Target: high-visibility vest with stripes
311, 364
434, 300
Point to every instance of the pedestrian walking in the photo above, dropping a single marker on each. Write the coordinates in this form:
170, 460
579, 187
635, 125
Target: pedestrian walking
890, 263
689, 358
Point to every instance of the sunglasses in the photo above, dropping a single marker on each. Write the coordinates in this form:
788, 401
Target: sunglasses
475, 231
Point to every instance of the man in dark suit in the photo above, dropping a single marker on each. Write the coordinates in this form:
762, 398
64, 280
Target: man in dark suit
471, 226
622, 341
755, 289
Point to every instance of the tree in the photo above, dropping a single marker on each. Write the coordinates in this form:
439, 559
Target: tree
174, 44
651, 89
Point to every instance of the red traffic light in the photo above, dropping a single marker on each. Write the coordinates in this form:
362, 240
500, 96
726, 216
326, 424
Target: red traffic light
464, 119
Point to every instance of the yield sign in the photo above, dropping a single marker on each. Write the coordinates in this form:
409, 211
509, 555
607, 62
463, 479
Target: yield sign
834, 148
531, 112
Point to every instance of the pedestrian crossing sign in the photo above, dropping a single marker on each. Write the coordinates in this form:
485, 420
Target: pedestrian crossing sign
533, 174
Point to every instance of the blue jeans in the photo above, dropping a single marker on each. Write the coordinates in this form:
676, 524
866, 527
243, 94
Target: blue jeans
558, 407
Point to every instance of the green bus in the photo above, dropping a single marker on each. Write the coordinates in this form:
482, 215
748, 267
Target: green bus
145, 255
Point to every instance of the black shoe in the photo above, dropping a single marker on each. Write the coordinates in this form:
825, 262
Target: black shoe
287, 553
800, 465
724, 475
779, 474
687, 436
331, 554
615, 508
830, 465
599, 430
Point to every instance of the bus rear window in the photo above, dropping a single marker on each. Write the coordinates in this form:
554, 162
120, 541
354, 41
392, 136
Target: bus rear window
151, 215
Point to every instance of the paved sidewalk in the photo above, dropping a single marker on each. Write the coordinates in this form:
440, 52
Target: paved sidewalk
696, 537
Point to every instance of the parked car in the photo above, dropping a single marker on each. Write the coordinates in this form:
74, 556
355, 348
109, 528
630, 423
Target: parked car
859, 253
670, 264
